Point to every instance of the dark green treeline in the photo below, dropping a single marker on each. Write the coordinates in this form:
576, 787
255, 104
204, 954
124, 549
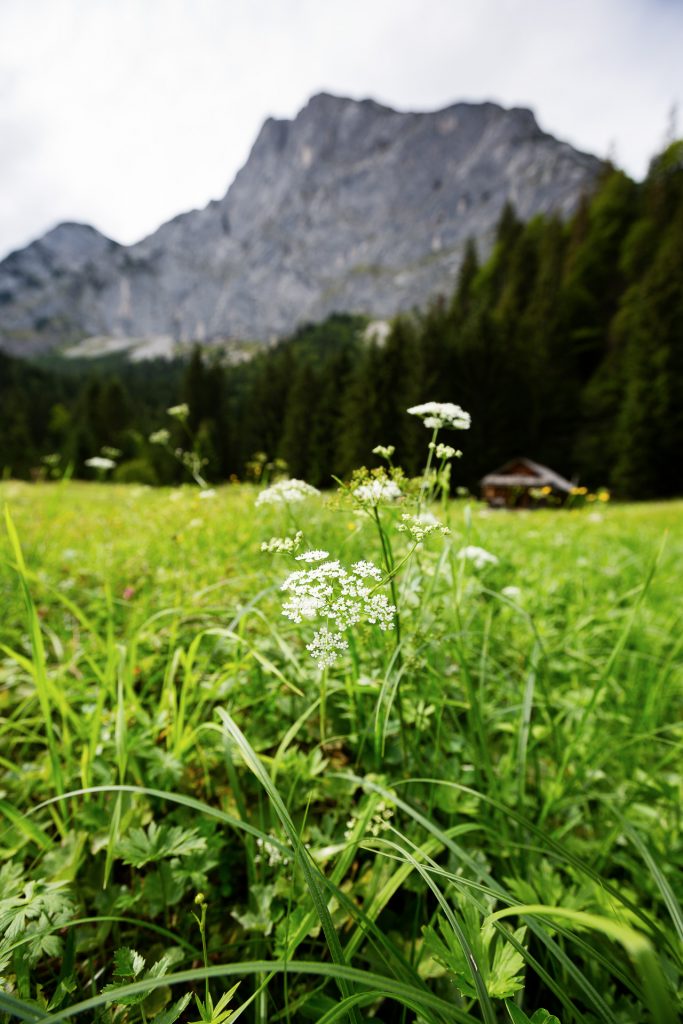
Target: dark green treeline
565, 345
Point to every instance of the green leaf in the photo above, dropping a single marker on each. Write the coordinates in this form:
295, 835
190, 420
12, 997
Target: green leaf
159, 842
170, 1015
518, 1016
217, 1014
127, 963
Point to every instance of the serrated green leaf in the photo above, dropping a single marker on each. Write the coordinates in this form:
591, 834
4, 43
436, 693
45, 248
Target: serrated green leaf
128, 963
157, 843
505, 974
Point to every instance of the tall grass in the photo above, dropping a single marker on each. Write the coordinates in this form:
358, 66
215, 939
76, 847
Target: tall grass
483, 825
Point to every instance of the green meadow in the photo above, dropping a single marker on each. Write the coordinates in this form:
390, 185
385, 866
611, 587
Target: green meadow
471, 815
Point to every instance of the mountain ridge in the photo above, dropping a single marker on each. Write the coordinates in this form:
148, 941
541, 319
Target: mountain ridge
351, 206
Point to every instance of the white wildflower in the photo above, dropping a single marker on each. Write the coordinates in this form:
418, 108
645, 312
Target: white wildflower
273, 852
377, 491
208, 492
444, 451
421, 526
379, 822
329, 591
100, 462
162, 436
317, 555
325, 647
384, 451
442, 414
511, 592
479, 557
286, 492
179, 412
278, 545
366, 569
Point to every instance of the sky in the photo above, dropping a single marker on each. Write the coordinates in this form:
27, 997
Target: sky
124, 113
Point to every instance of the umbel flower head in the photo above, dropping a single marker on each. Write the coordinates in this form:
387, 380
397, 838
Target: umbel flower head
341, 597
377, 491
371, 487
479, 557
100, 462
286, 492
442, 414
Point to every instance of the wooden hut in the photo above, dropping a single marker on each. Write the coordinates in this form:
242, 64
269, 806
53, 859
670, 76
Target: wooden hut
522, 483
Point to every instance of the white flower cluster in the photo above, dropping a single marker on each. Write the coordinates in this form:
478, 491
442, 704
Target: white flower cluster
280, 545
329, 591
100, 462
384, 451
376, 491
420, 526
479, 557
444, 451
325, 647
286, 492
179, 412
317, 555
442, 414
162, 436
270, 850
380, 821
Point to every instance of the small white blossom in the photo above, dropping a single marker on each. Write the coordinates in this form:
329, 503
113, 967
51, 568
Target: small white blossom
162, 436
208, 492
273, 852
421, 526
286, 492
376, 491
313, 556
379, 822
325, 647
329, 591
384, 451
442, 414
277, 545
366, 569
511, 592
479, 557
100, 462
179, 412
444, 451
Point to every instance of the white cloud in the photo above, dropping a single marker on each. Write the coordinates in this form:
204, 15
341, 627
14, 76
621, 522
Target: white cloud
123, 113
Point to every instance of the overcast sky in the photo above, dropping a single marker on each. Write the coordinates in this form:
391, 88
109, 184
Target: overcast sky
123, 113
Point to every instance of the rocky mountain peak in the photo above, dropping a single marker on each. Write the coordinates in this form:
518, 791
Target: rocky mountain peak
351, 206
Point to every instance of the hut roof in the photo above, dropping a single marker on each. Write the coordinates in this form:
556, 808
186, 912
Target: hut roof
523, 472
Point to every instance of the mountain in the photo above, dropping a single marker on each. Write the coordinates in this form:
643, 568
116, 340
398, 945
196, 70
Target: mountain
351, 206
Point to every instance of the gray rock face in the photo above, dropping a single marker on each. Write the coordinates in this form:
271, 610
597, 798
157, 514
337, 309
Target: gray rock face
351, 207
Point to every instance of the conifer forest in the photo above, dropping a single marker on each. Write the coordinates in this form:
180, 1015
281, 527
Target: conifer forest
565, 344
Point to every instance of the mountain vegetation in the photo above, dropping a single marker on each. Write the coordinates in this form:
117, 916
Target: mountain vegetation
565, 345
